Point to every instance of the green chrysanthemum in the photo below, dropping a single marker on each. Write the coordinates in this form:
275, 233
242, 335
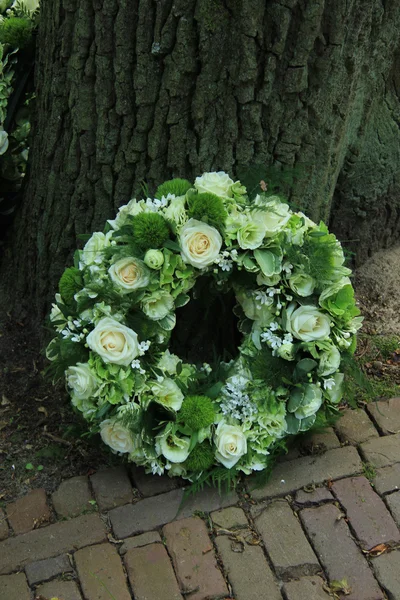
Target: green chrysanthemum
150, 230
201, 458
209, 208
178, 187
197, 412
69, 284
15, 31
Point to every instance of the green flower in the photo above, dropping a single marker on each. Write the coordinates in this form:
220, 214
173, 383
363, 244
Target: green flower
150, 230
197, 412
201, 458
69, 284
209, 208
302, 284
154, 259
338, 299
177, 187
250, 236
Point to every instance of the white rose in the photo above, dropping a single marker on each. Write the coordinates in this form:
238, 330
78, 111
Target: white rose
3, 141
329, 361
114, 342
251, 234
154, 259
274, 214
176, 213
92, 251
231, 444
157, 305
302, 284
81, 380
129, 274
311, 402
219, 184
173, 447
307, 323
168, 393
200, 243
115, 435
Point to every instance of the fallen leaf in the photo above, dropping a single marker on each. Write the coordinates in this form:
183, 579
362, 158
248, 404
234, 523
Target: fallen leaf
43, 410
341, 586
377, 550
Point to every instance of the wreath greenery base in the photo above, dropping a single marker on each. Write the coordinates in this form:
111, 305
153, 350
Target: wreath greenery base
118, 306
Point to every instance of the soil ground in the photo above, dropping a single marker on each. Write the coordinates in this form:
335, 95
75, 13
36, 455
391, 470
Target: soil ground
41, 439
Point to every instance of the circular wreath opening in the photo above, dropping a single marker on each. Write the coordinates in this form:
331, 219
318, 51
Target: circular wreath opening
132, 377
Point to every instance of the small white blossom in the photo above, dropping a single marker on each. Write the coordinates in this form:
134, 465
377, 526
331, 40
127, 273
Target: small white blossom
135, 364
287, 267
206, 368
261, 297
274, 326
143, 347
329, 383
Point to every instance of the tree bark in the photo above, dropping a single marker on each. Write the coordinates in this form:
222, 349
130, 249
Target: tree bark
133, 91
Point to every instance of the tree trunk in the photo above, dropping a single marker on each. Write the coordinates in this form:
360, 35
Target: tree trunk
133, 91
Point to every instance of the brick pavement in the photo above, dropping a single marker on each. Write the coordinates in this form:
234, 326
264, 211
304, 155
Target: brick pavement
121, 534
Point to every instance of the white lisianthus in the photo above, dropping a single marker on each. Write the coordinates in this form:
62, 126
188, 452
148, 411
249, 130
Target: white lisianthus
311, 402
114, 342
329, 361
115, 435
154, 259
81, 380
274, 214
157, 305
167, 393
335, 392
200, 243
251, 234
302, 284
168, 362
175, 213
3, 141
176, 470
30, 5
92, 251
231, 444
129, 274
56, 314
307, 323
173, 447
269, 281
286, 351
132, 208
253, 309
218, 183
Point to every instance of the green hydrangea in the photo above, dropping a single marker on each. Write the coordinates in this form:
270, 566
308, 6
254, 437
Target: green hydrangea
201, 458
150, 230
197, 412
15, 31
69, 284
209, 208
177, 186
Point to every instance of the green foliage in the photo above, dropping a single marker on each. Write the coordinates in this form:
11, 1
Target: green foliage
209, 208
69, 284
272, 369
150, 230
197, 412
201, 458
16, 32
369, 471
322, 253
178, 187
386, 344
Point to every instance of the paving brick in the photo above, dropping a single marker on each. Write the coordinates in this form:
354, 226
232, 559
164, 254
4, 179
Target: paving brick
100, 573
386, 414
387, 570
229, 518
151, 485
382, 451
355, 427
338, 553
316, 496
194, 560
144, 539
146, 514
112, 488
317, 443
393, 502
247, 570
72, 497
16, 552
29, 512
207, 500
284, 539
65, 590
3, 526
307, 588
293, 475
387, 479
14, 587
43, 570
151, 574
366, 511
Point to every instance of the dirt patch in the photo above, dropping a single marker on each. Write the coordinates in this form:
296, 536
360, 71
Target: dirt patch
377, 284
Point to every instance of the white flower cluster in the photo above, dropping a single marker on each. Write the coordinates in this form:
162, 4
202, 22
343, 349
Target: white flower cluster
235, 402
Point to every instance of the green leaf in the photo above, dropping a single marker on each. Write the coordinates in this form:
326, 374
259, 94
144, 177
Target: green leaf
292, 424
174, 246
295, 400
168, 322
29, 466
306, 365
181, 300
270, 263
307, 422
